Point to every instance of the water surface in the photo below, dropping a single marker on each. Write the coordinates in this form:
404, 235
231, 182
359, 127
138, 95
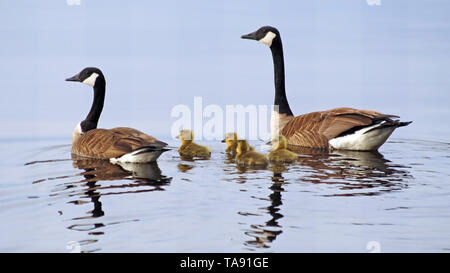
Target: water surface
397, 199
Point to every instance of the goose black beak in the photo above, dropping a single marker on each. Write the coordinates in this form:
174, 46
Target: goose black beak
250, 36
223, 141
75, 78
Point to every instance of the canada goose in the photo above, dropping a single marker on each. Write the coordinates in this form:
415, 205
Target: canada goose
189, 148
280, 153
339, 128
119, 144
245, 155
231, 141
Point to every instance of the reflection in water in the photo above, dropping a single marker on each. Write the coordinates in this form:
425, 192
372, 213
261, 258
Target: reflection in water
264, 215
353, 173
184, 167
358, 173
142, 175
100, 178
269, 231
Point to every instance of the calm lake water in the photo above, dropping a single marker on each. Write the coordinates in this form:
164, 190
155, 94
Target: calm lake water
395, 201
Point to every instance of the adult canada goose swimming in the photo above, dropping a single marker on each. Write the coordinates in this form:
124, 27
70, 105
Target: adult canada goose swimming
189, 148
280, 153
339, 128
121, 144
246, 156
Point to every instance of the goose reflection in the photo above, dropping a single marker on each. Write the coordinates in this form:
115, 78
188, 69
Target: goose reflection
360, 173
268, 232
353, 173
144, 177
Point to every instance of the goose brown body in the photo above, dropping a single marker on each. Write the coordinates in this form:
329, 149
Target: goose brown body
316, 129
113, 143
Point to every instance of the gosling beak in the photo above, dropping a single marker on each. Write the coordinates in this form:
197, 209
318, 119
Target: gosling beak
75, 78
223, 141
250, 36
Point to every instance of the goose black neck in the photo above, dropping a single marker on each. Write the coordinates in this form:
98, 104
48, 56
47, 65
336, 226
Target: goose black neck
278, 65
93, 116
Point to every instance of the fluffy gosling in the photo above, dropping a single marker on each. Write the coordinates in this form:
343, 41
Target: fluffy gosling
189, 148
231, 141
245, 155
280, 153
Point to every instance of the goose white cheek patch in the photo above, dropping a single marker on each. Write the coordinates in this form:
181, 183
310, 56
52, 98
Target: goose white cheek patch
268, 38
91, 80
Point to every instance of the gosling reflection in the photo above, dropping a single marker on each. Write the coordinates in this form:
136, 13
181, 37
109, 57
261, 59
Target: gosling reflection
360, 173
184, 167
268, 232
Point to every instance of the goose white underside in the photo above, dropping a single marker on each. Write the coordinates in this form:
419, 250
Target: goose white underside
137, 156
366, 139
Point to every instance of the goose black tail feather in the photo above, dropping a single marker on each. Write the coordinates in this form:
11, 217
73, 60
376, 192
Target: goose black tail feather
390, 123
150, 148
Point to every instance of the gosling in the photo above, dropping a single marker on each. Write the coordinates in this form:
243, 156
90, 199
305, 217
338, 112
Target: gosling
189, 148
280, 153
231, 141
245, 155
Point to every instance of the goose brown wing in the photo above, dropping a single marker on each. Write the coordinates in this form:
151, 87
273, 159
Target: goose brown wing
317, 128
101, 143
130, 132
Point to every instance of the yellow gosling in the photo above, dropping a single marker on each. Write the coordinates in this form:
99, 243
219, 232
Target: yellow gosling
245, 155
280, 153
189, 148
231, 141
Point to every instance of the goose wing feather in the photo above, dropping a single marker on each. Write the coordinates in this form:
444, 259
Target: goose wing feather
102, 143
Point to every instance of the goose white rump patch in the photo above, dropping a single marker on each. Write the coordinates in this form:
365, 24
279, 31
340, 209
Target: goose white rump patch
366, 139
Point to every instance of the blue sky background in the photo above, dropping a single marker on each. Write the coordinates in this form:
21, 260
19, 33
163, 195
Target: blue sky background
393, 58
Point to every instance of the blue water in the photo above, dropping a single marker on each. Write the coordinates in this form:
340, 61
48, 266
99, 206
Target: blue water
339, 202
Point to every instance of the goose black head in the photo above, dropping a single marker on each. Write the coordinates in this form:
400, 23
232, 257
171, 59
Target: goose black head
90, 76
266, 35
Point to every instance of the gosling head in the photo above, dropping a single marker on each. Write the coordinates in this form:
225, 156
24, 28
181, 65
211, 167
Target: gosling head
267, 35
186, 135
279, 142
91, 76
230, 139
